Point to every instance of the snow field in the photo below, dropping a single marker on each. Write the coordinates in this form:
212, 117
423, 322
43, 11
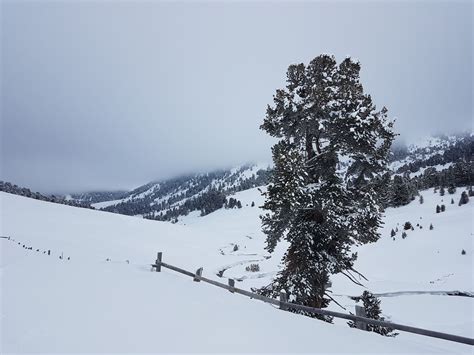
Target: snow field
89, 304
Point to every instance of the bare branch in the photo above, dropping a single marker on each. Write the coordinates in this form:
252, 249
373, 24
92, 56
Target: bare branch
335, 301
352, 279
358, 273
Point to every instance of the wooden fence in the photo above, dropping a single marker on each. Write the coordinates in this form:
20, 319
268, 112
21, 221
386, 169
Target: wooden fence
359, 319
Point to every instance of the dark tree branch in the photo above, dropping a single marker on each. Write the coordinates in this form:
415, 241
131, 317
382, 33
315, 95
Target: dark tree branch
352, 279
335, 301
358, 273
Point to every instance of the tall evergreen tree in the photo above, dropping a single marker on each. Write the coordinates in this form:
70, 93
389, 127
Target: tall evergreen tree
323, 117
402, 192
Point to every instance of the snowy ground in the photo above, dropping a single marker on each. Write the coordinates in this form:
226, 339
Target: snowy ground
89, 304
424, 263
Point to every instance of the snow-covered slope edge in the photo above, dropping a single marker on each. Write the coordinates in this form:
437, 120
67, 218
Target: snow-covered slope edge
88, 304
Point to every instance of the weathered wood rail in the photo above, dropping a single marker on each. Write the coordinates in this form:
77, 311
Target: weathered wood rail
283, 304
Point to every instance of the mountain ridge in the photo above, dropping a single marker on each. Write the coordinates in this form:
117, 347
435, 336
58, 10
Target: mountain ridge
434, 162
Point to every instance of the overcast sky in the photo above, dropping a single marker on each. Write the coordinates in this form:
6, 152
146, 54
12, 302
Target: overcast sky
107, 95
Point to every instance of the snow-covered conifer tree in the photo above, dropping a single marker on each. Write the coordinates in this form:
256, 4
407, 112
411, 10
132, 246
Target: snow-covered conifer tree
323, 118
464, 198
373, 311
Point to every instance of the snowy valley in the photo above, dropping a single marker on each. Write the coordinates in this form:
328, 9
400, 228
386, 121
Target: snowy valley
101, 296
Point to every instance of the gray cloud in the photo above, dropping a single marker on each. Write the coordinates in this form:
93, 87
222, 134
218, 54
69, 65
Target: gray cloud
105, 95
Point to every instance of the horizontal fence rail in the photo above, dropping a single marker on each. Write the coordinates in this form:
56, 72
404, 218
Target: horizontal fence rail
284, 305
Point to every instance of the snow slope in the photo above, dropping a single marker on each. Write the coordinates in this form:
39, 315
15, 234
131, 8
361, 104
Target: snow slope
429, 147
89, 304
176, 191
424, 263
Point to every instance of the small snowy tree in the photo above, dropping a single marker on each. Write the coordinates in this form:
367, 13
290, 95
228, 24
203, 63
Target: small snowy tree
451, 189
373, 311
464, 198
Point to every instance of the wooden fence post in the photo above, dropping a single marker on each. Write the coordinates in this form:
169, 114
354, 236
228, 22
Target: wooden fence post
232, 285
198, 275
158, 261
283, 300
360, 312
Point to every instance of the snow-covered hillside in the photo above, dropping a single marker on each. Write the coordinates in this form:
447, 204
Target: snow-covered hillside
169, 199
432, 151
105, 299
